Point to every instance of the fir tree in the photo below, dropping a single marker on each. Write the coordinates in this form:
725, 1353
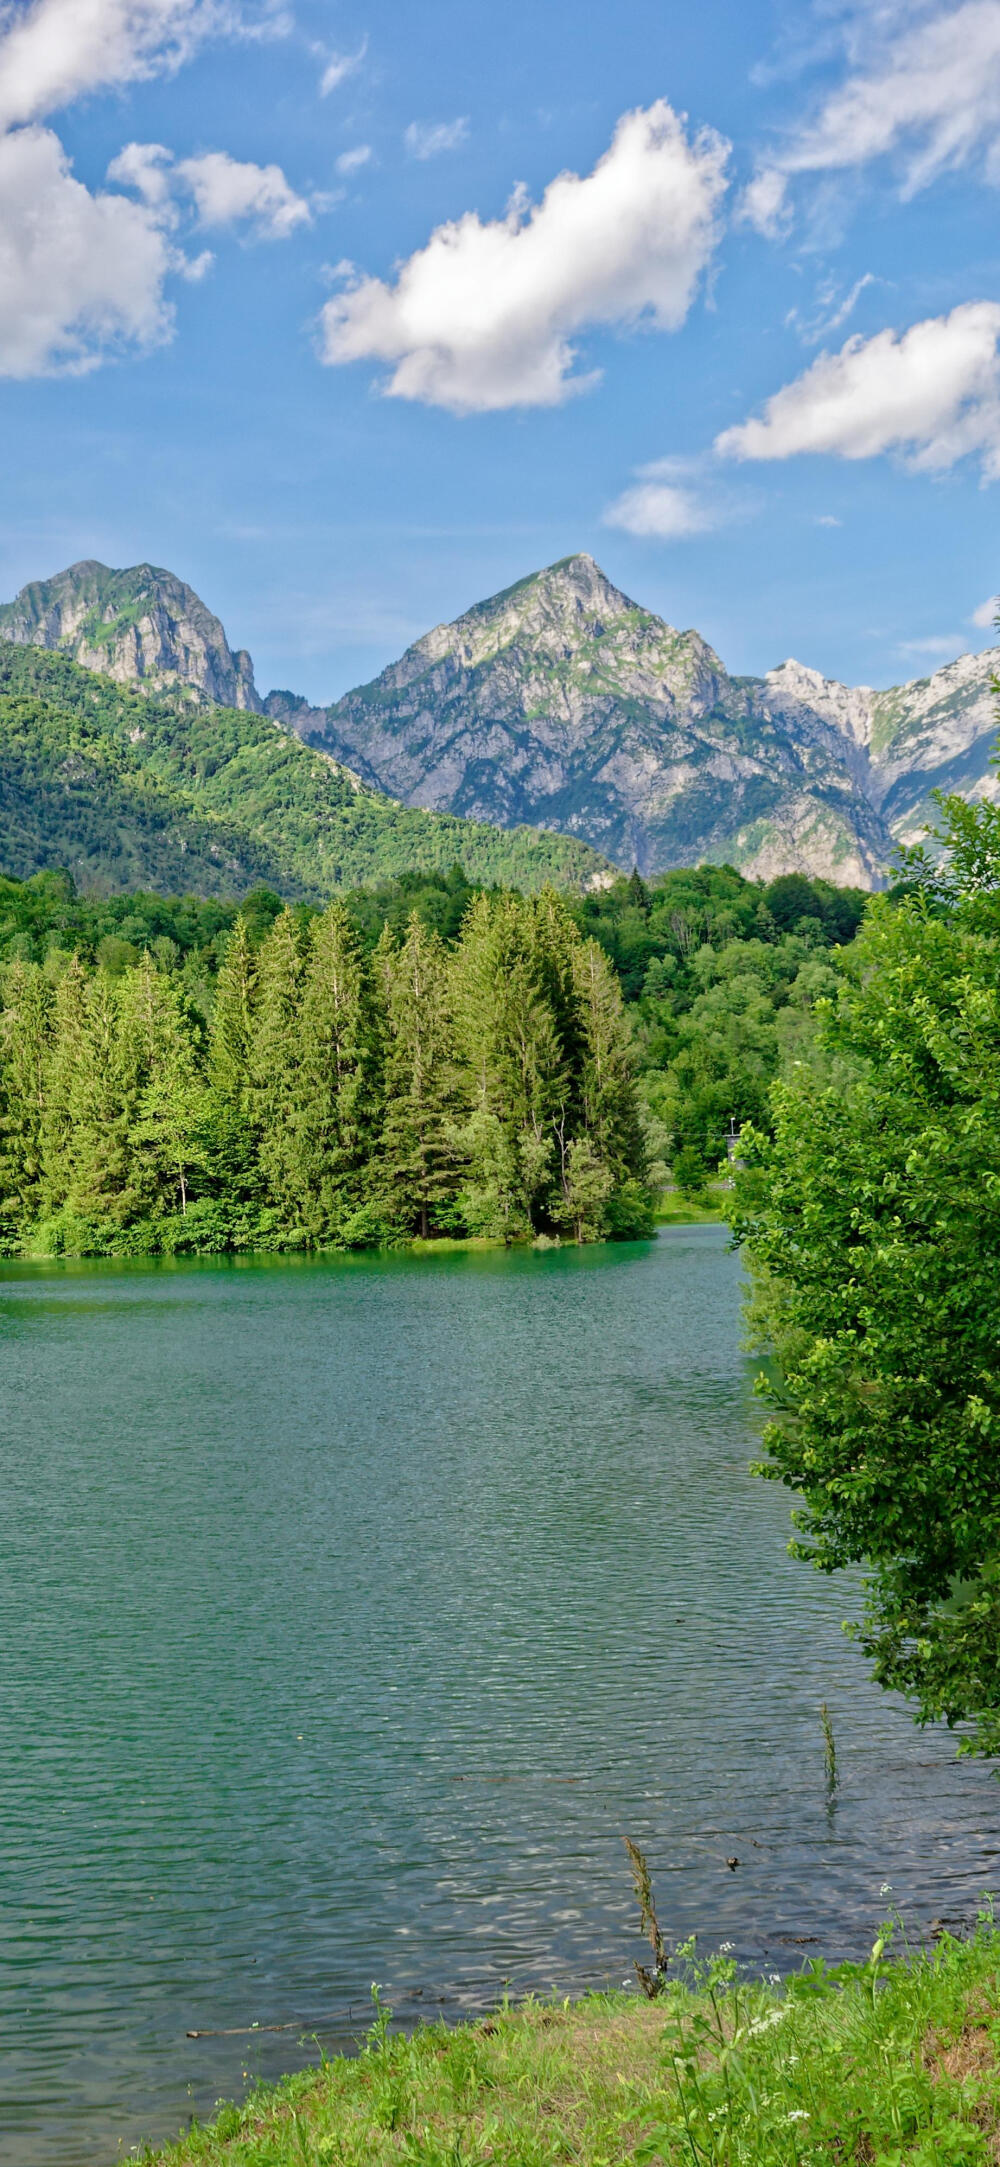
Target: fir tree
420, 1160
274, 1060
24, 1037
338, 1093
165, 1140
515, 1073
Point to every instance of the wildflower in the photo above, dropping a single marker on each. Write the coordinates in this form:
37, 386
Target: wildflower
798, 2114
767, 2024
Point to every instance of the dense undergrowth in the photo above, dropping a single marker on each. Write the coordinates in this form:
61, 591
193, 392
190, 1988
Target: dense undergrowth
894, 2063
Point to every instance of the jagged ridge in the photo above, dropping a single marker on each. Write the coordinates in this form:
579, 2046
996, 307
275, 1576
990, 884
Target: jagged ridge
562, 703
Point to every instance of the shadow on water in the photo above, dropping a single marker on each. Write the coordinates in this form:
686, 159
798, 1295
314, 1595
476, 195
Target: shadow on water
353, 1609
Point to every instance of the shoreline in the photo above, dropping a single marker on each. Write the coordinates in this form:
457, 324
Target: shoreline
897, 2058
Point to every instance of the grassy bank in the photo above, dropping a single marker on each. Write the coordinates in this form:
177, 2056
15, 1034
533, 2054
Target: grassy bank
708, 1209
864, 2066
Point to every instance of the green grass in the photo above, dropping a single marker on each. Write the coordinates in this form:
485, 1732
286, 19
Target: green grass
887, 2064
710, 1208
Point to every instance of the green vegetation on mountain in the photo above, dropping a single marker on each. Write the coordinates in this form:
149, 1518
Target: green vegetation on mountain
871, 1221
127, 790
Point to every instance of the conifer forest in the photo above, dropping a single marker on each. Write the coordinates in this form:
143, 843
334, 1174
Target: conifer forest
425, 1059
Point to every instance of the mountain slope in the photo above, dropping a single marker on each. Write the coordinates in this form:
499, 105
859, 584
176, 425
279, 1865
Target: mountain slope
562, 704
131, 790
142, 626
561, 701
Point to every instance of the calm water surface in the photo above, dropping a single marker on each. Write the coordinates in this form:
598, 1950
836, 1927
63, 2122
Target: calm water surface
350, 1611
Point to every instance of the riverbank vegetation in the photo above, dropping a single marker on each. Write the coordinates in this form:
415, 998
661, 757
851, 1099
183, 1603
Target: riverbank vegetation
331, 1096
886, 2064
870, 1215
712, 983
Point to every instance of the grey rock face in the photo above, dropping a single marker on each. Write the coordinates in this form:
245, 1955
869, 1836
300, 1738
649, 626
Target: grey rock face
142, 626
562, 702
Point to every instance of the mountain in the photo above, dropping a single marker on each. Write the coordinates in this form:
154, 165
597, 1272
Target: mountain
562, 704
159, 790
142, 626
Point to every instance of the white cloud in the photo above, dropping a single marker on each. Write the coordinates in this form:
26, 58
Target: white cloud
659, 506
932, 393
483, 317
78, 272
339, 67
228, 189
427, 139
827, 519
929, 94
56, 50
832, 309
351, 161
986, 615
224, 190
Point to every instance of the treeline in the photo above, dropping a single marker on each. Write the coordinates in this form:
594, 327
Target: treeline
723, 976
337, 1093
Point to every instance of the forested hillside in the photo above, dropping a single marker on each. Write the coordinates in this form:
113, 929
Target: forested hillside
155, 1055
127, 791
332, 1096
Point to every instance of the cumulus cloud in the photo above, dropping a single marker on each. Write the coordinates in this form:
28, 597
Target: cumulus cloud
428, 139
659, 507
928, 94
78, 272
56, 50
986, 615
931, 393
226, 190
484, 316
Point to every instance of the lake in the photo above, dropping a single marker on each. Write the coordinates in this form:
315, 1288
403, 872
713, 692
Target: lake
351, 1611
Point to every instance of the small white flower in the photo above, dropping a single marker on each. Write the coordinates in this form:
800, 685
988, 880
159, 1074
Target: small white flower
798, 2114
886, 1889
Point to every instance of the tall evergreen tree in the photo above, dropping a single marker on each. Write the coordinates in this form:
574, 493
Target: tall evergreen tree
611, 1123
275, 1057
25, 1023
419, 1158
515, 1073
338, 1109
165, 1141
232, 1020
66, 1052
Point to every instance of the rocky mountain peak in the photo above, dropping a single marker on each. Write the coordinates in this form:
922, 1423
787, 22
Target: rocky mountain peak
142, 626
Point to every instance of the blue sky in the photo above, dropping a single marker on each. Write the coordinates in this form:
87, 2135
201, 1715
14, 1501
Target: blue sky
351, 315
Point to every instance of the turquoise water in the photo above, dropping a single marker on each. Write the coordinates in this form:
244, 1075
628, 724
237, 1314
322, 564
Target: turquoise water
350, 1611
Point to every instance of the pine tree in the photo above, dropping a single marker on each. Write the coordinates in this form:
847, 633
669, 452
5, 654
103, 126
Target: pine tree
168, 1095
419, 1156
232, 1021
274, 1060
25, 1024
103, 1093
338, 1094
67, 1052
611, 1122
232, 1159
514, 1071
